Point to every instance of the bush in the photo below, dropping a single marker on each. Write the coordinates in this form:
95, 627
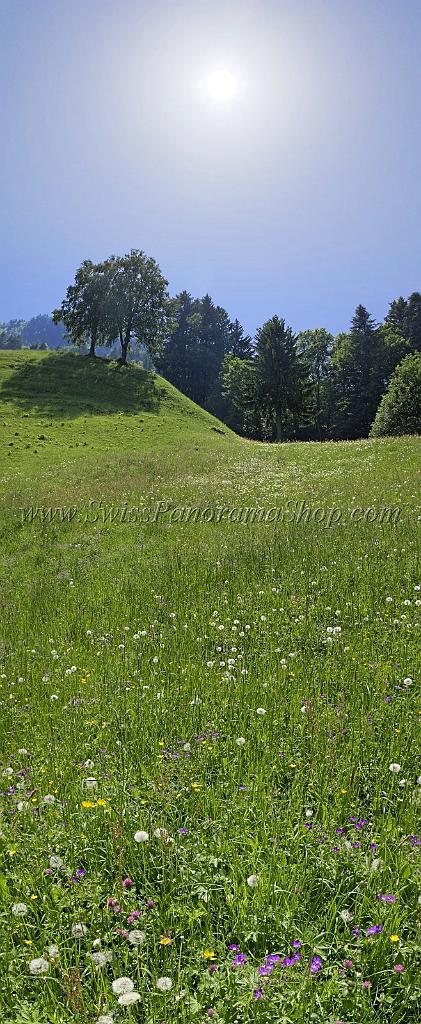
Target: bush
399, 411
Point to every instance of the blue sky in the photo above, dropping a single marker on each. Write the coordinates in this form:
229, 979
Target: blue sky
301, 196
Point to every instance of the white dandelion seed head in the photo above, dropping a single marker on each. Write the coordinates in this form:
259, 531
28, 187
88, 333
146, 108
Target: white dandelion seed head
394, 768
19, 909
55, 862
240, 741
164, 984
48, 800
260, 711
346, 916
22, 751
121, 986
53, 952
100, 959
106, 1018
128, 998
141, 837
38, 966
161, 833
79, 930
253, 881
136, 937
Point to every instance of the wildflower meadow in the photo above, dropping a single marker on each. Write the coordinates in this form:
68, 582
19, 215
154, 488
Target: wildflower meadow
210, 775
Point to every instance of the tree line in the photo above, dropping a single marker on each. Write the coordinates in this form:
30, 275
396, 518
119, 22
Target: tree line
280, 385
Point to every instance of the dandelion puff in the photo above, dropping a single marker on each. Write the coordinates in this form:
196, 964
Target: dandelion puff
106, 1018
137, 937
121, 986
346, 916
141, 837
99, 959
260, 711
38, 966
240, 741
128, 998
253, 881
79, 930
48, 800
53, 952
55, 862
164, 984
19, 909
394, 768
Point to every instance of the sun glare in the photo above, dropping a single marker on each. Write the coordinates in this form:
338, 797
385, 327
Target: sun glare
222, 85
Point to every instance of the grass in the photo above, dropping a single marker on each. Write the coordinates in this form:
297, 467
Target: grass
136, 654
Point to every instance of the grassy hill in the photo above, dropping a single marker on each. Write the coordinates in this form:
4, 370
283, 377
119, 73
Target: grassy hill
234, 686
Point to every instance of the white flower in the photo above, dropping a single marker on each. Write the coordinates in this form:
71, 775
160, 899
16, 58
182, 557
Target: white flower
240, 741
121, 986
253, 881
56, 862
48, 799
38, 966
19, 909
136, 937
395, 768
164, 984
141, 837
8, 772
100, 959
260, 711
407, 681
53, 952
79, 930
90, 783
346, 916
128, 998
22, 750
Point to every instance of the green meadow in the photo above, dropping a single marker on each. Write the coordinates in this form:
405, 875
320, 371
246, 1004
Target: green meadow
210, 774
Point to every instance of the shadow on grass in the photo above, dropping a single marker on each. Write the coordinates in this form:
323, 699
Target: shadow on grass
69, 384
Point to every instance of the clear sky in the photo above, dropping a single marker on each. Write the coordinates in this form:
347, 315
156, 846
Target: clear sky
297, 191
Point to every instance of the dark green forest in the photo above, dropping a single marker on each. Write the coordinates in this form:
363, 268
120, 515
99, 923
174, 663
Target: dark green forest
279, 385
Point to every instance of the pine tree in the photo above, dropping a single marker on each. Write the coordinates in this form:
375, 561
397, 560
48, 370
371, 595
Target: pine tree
283, 376
240, 344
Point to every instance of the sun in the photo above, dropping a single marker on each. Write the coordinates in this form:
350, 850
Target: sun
222, 85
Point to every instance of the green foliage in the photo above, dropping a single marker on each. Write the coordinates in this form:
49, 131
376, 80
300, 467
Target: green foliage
399, 411
283, 377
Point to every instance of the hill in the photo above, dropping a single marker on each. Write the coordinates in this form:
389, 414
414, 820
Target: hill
208, 699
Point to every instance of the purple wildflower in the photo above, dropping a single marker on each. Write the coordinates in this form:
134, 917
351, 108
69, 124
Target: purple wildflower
316, 965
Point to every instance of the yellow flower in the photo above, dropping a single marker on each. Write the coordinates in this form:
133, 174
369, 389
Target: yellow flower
101, 803
208, 954
394, 938
165, 940
87, 803
344, 791
196, 785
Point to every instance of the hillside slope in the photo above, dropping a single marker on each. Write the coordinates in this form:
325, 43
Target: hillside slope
51, 404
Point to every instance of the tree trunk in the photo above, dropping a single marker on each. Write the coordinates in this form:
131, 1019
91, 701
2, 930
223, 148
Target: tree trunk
124, 342
279, 431
94, 334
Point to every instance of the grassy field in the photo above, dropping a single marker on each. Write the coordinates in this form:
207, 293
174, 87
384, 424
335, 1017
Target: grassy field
209, 718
